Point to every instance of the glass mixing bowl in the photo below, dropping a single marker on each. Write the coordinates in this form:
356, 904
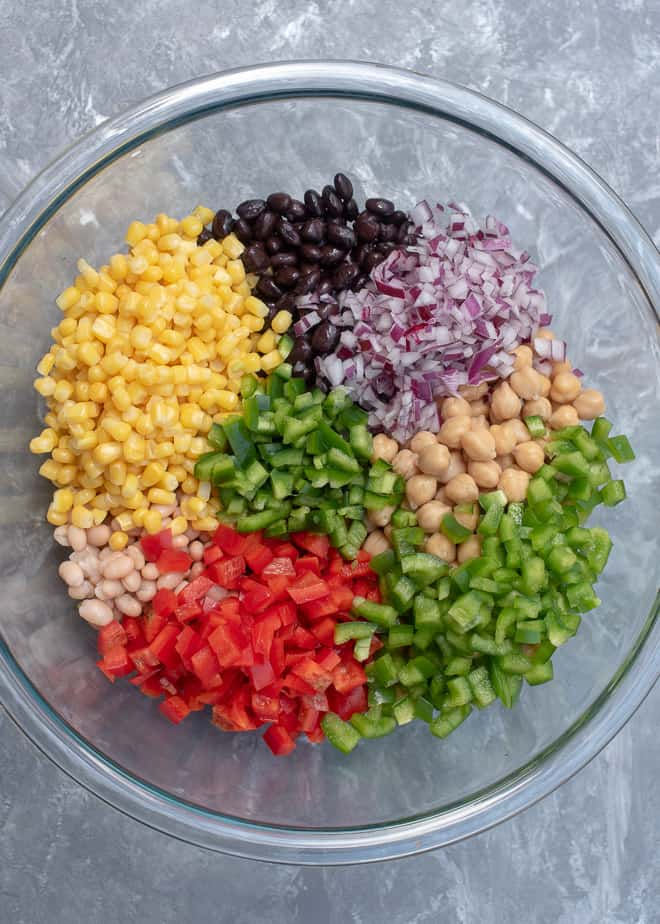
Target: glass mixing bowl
217, 141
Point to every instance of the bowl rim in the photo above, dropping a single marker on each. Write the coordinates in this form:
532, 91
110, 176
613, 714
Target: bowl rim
55, 738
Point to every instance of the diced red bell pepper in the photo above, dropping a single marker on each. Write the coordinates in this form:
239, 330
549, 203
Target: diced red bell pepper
316, 736
285, 550
234, 715
231, 646
111, 635
279, 566
133, 629
196, 589
263, 632
116, 663
356, 569
279, 740
227, 571
266, 708
164, 603
348, 675
289, 721
308, 717
308, 563
153, 546
303, 639
211, 553
364, 588
324, 630
205, 665
347, 704
317, 701
231, 542
262, 675
328, 659
277, 656
144, 660
258, 557
187, 612
312, 543
318, 609
174, 708
277, 585
292, 657
153, 623
173, 560
190, 690
307, 588
187, 644
255, 596
295, 685
163, 646
313, 674
149, 684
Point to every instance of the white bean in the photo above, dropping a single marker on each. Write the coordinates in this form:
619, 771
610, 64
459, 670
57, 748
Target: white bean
77, 538
150, 572
106, 554
192, 534
128, 605
169, 581
180, 542
132, 581
118, 568
95, 612
98, 535
147, 591
82, 592
60, 535
136, 555
71, 573
196, 550
197, 569
180, 587
111, 589
99, 593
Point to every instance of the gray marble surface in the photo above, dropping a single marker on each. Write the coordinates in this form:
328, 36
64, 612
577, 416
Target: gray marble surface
589, 72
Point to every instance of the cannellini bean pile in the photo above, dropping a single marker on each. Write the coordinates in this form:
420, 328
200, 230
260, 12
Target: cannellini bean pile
482, 445
111, 583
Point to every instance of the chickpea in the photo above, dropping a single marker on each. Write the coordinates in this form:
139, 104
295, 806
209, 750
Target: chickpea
480, 422
564, 416
429, 515
565, 388
454, 407
441, 547
486, 474
434, 460
467, 515
516, 429
544, 333
384, 448
404, 463
504, 461
387, 532
538, 407
380, 517
453, 429
524, 357
422, 439
479, 408
527, 383
456, 466
560, 366
473, 392
505, 403
529, 456
479, 445
514, 483
505, 440
589, 404
441, 495
376, 543
420, 489
469, 549
462, 489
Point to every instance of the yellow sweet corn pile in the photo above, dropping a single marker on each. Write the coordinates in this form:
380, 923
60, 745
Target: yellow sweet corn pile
150, 352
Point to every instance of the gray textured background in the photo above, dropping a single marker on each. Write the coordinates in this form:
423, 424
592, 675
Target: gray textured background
589, 72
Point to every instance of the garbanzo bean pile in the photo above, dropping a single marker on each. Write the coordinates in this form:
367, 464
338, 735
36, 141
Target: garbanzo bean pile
329, 540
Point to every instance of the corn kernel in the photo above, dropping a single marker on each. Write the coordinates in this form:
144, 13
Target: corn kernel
117, 473
232, 247
106, 453
206, 524
282, 322
160, 496
118, 541
117, 429
153, 521
61, 519
83, 497
271, 360
136, 233
62, 500
267, 342
82, 517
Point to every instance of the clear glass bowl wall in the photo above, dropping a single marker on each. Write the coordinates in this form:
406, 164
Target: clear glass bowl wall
410, 790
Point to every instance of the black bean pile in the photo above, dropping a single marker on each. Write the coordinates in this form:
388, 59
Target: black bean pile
322, 245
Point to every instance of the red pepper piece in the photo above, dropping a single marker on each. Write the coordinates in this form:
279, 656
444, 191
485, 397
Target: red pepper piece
205, 665
133, 629
144, 660
266, 708
173, 560
312, 543
149, 684
347, 704
308, 717
324, 630
164, 603
279, 566
116, 663
279, 740
255, 596
174, 708
231, 542
285, 550
197, 589
212, 553
258, 557
153, 546
263, 631
348, 675
262, 675
188, 611
187, 644
163, 646
109, 636
308, 563
231, 646
328, 659
227, 571
301, 638
313, 674
307, 588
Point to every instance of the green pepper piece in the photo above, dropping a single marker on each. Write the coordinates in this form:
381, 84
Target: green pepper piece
497, 498
600, 546
621, 449
402, 593
448, 721
465, 612
529, 632
427, 613
561, 627
613, 493
361, 441
540, 673
340, 734
514, 663
402, 518
453, 530
400, 636
416, 671
256, 521
481, 687
581, 597
536, 426
490, 521
572, 463
421, 567
378, 613
286, 458
371, 727
352, 416
348, 631
506, 686
458, 667
217, 438
385, 670
239, 439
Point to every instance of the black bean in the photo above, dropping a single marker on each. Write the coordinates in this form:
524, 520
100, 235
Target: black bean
402, 233
351, 210
287, 276
279, 202
284, 258
388, 248
371, 260
343, 186
222, 224
325, 338
308, 282
332, 204
296, 211
340, 235
251, 209
268, 288
304, 371
310, 253
243, 231
287, 303
396, 218
388, 233
325, 286
313, 204
274, 244
264, 225
255, 258
345, 275
204, 236
306, 267
367, 229
288, 233
380, 207
331, 255
324, 310
313, 231
301, 351
360, 281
